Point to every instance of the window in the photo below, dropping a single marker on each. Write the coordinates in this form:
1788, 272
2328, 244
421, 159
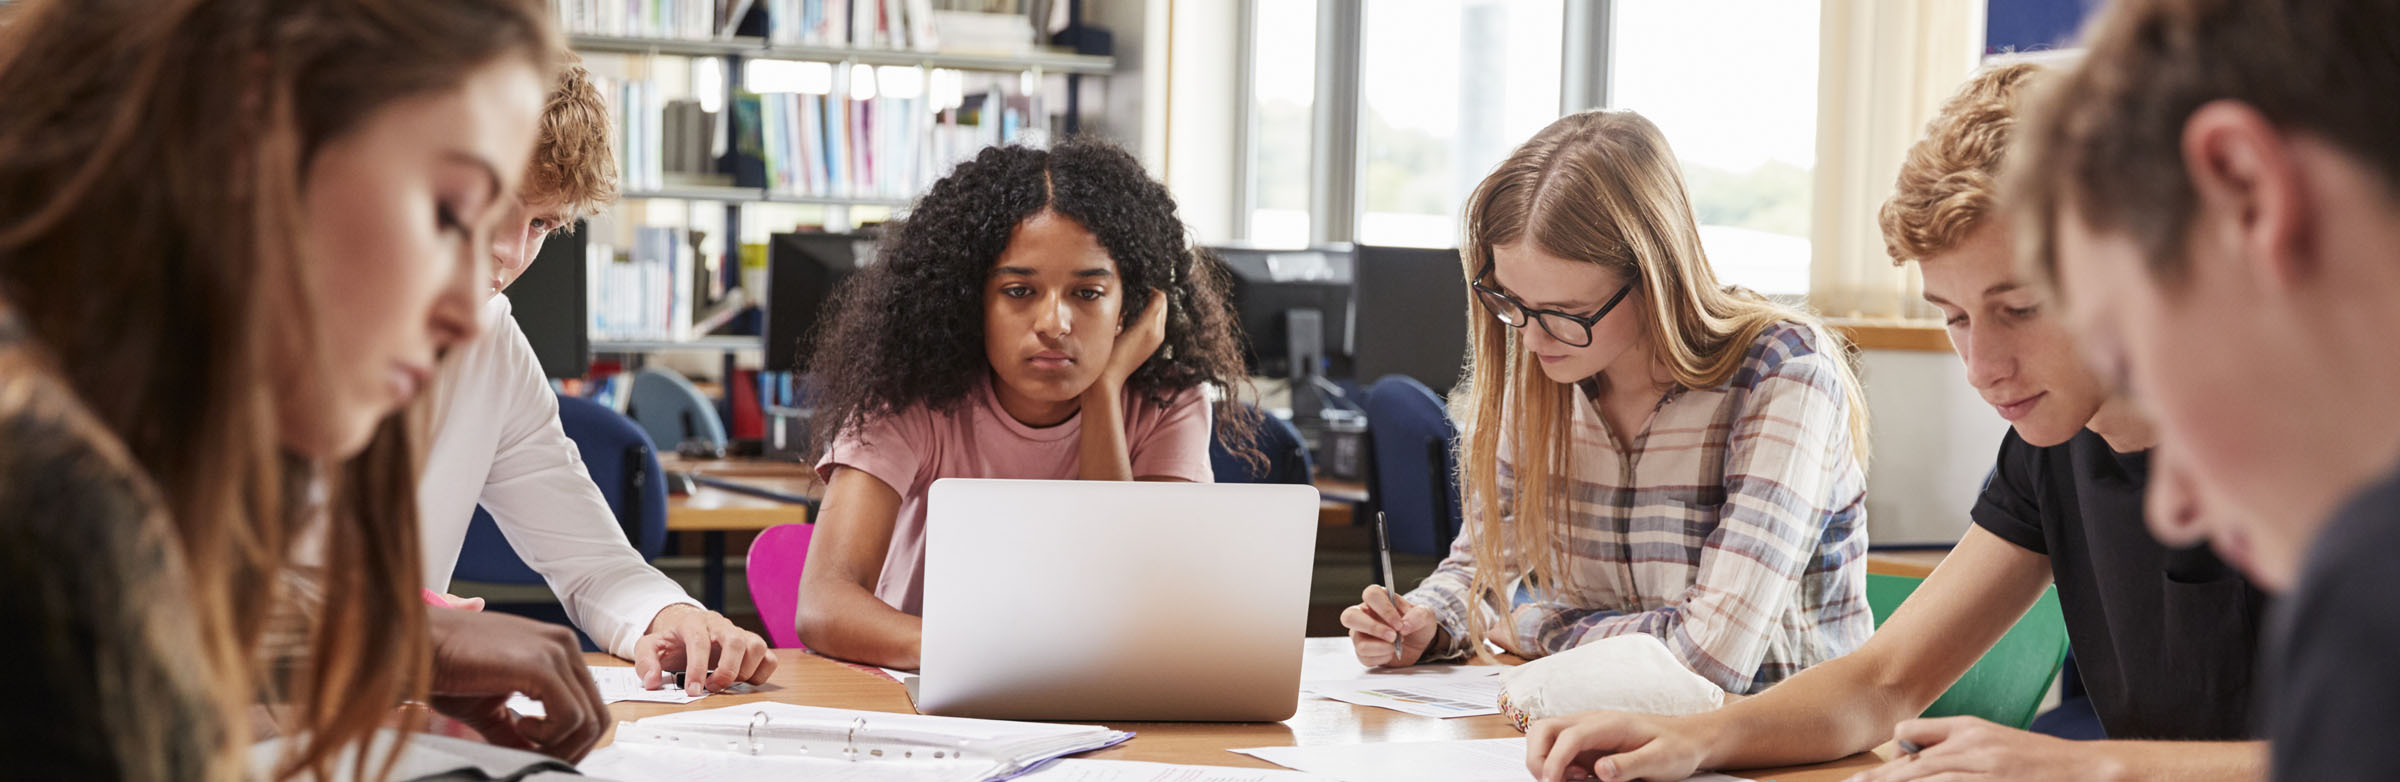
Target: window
1283, 68
1448, 88
1733, 85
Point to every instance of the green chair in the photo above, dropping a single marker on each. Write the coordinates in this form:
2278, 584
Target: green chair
2008, 684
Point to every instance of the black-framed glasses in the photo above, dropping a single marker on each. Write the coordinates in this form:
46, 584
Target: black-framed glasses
1568, 328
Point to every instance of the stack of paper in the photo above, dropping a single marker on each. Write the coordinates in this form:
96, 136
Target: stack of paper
1442, 691
1436, 695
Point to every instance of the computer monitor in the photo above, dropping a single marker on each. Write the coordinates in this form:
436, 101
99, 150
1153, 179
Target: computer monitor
1411, 315
1275, 289
802, 271
549, 303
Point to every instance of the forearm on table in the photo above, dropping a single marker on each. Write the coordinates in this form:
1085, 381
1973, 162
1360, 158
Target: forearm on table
1838, 708
2182, 761
849, 622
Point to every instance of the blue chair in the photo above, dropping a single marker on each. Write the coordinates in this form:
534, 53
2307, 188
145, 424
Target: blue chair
673, 410
1411, 476
625, 467
2074, 717
1287, 457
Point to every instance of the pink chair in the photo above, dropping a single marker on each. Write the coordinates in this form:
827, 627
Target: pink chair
775, 561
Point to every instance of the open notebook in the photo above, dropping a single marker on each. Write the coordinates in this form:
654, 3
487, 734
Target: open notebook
784, 738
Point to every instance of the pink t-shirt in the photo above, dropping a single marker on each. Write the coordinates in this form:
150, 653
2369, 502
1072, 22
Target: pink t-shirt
909, 450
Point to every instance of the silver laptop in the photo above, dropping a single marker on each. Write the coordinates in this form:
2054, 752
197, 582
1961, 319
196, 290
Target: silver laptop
1097, 600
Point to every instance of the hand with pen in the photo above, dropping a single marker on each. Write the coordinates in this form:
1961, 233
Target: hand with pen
1387, 631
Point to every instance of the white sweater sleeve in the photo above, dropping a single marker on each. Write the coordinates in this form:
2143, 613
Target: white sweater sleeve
554, 516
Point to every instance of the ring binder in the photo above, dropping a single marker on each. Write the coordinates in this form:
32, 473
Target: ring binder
979, 750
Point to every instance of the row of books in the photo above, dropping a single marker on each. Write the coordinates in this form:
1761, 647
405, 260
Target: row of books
678, 19
876, 24
644, 292
659, 141
802, 144
639, 117
881, 147
916, 25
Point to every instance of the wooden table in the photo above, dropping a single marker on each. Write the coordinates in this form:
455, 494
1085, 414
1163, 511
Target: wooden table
714, 511
807, 679
1917, 563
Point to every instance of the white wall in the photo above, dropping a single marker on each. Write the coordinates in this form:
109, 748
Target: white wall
1201, 115
1132, 99
1933, 442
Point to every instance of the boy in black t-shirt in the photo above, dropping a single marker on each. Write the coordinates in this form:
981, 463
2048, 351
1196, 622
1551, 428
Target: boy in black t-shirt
2216, 193
2165, 637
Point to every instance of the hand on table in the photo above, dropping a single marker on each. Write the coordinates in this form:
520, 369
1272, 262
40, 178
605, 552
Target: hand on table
1610, 746
480, 659
1969, 749
706, 647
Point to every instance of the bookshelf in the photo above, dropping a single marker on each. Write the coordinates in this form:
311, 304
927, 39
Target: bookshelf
708, 344
754, 195
729, 130
746, 46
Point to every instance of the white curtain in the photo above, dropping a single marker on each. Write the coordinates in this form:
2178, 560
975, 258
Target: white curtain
1884, 67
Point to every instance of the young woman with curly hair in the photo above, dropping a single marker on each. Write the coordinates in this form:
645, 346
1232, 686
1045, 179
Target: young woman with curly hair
1039, 315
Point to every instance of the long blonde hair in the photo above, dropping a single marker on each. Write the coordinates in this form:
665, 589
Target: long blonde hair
1599, 187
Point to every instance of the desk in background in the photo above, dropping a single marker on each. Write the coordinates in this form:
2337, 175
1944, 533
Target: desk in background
1340, 503
810, 680
713, 511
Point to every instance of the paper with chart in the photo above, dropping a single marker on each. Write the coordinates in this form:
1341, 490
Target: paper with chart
618, 683
1479, 760
1442, 697
1440, 691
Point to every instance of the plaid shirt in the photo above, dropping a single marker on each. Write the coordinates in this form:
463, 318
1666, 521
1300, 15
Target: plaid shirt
1735, 531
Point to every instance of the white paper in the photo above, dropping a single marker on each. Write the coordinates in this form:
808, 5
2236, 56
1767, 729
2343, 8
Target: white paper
618, 683
1443, 696
1073, 770
1480, 760
641, 762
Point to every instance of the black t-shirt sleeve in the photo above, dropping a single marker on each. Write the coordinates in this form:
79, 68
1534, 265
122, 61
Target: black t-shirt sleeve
2335, 694
2010, 506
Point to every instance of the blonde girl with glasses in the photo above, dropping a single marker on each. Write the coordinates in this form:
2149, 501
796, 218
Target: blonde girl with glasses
1643, 449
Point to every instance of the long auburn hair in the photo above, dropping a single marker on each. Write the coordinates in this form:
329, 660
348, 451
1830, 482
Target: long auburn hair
1600, 187
152, 156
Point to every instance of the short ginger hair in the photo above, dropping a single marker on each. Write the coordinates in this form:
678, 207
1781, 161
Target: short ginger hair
1949, 184
573, 160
